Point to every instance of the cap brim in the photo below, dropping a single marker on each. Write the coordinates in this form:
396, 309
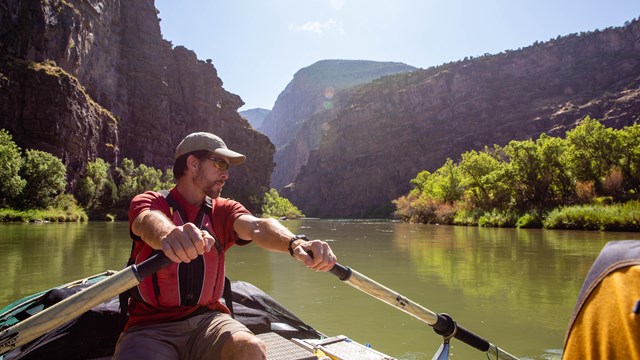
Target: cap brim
233, 157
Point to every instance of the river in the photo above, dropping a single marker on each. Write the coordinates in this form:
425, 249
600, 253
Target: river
514, 287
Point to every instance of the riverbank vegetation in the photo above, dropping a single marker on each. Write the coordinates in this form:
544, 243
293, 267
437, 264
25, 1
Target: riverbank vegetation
33, 187
273, 205
588, 180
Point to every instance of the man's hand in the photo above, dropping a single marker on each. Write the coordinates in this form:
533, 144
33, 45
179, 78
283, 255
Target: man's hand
315, 254
186, 242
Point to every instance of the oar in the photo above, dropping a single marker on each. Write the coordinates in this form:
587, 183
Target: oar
79, 303
443, 324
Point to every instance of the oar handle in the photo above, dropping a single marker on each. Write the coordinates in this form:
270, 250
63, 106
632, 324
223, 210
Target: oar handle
342, 272
152, 265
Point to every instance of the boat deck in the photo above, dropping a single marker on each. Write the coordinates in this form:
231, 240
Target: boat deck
333, 348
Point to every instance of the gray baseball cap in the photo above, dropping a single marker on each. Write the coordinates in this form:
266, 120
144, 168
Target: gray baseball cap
210, 142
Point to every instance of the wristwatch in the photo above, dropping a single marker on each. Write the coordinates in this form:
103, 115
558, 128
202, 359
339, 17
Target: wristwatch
297, 237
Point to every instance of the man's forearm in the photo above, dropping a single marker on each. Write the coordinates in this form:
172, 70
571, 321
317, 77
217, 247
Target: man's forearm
152, 226
271, 235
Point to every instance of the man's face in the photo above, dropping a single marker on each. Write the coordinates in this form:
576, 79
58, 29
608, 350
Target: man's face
211, 175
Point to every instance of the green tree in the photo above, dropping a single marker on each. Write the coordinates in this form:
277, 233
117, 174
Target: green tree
276, 206
11, 184
134, 179
126, 183
629, 138
537, 173
554, 158
445, 183
484, 178
420, 182
46, 178
93, 186
593, 151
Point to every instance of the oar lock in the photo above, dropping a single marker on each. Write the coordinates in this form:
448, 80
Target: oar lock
445, 326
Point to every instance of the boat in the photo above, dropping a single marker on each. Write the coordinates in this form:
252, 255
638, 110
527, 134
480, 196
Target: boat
93, 335
82, 320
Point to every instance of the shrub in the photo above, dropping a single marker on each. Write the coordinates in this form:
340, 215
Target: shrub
529, 220
11, 184
497, 218
46, 178
620, 217
276, 206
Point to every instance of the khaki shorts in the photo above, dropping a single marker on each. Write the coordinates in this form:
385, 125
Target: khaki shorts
198, 337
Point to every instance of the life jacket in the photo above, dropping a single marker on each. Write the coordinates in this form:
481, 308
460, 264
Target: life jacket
606, 319
199, 282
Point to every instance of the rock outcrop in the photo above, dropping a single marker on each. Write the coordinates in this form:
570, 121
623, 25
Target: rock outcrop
388, 131
94, 78
293, 126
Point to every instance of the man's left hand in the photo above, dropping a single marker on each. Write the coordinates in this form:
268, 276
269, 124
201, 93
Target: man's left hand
315, 254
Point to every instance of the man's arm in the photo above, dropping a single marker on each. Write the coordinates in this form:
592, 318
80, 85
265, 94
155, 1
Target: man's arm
272, 235
179, 243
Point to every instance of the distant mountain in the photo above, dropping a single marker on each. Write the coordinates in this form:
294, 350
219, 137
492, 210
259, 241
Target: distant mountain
384, 133
255, 116
314, 89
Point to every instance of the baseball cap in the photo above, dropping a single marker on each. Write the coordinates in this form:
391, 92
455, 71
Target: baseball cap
210, 142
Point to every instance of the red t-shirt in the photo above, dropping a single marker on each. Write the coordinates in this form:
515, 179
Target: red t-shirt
224, 213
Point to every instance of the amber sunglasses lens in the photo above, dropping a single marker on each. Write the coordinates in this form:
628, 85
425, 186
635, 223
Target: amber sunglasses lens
220, 164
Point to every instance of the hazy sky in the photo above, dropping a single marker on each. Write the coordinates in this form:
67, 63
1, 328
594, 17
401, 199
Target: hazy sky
258, 45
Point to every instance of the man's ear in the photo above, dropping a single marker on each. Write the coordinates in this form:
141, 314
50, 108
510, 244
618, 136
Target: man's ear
192, 162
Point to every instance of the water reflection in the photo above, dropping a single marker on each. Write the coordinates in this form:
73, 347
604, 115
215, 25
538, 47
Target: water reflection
514, 287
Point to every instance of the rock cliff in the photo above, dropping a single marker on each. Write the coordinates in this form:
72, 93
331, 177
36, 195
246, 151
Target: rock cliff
389, 130
315, 89
94, 78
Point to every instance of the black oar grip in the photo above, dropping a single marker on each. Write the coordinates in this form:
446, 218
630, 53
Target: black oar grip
472, 339
342, 272
448, 327
151, 265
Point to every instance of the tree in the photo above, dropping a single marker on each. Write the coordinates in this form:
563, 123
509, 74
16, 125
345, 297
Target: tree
46, 178
629, 138
553, 155
276, 206
133, 180
537, 173
444, 184
94, 185
484, 178
593, 151
11, 184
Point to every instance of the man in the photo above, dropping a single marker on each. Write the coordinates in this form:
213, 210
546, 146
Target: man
177, 312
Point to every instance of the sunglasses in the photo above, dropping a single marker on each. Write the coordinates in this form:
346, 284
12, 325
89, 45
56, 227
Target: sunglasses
219, 163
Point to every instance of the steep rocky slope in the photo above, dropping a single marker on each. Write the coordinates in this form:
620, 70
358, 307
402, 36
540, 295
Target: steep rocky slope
291, 125
94, 78
388, 131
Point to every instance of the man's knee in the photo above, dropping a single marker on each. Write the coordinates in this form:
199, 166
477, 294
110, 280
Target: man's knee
244, 345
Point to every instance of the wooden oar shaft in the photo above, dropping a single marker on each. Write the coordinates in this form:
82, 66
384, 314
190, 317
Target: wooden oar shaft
383, 293
440, 322
77, 304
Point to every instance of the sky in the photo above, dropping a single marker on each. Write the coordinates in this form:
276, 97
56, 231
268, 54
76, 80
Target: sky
258, 45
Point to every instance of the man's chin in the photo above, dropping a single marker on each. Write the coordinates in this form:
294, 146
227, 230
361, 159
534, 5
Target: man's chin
214, 194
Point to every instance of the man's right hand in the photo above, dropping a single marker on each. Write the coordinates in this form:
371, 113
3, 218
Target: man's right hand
186, 242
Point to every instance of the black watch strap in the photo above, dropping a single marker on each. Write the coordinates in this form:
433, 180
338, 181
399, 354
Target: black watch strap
297, 237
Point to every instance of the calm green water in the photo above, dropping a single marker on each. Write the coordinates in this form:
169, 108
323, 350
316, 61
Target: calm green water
516, 288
